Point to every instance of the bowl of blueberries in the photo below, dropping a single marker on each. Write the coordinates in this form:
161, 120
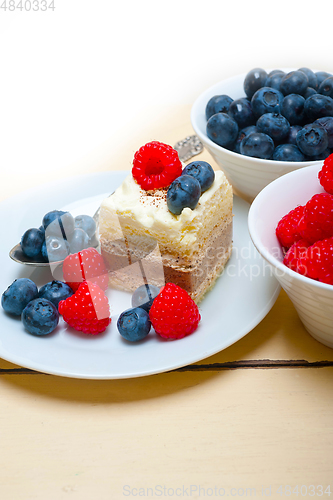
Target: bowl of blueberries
263, 124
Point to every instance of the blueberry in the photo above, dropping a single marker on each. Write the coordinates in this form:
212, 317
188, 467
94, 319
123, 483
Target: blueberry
18, 295
51, 216
257, 145
312, 140
287, 152
312, 78
86, 223
55, 249
40, 317
274, 80
78, 241
202, 171
295, 82
55, 291
62, 226
292, 108
241, 111
318, 106
243, 133
274, 125
322, 156
183, 192
266, 100
293, 131
218, 104
222, 129
32, 241
327, 123
254, 80
309, 91
134, 324
321, 76
144, 296
326, 87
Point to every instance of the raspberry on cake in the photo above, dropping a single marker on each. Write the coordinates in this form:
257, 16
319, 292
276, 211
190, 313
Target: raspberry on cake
142, 239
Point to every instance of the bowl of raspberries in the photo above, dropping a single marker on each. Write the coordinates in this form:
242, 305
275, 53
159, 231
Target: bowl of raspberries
291, 225
263, 124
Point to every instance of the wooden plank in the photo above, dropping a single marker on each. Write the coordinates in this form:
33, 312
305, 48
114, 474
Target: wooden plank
229, 429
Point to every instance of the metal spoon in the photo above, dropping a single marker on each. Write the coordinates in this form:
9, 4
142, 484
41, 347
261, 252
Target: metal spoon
186, 148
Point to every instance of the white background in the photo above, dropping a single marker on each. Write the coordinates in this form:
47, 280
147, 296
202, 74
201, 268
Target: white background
93, 72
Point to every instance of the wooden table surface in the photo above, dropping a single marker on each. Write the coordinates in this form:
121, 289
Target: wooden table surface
252, 420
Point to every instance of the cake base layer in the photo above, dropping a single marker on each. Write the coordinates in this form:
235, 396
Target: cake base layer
130, 268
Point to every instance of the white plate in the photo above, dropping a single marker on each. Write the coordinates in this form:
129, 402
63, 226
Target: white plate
241, 298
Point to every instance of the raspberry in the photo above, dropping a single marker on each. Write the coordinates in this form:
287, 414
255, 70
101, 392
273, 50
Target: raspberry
87, 310
317, 261
174, 314
317, 221
287, 228
325, 175
85, 265
295, 252
156, 165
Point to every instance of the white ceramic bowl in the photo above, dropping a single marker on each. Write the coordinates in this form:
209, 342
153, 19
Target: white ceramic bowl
312, 300
247, 175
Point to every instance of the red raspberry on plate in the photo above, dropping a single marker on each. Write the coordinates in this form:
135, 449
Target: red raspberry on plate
87, 310
317, 261
291, 259
156, 165
325, 175
317, 221
287, 228
85, 265
174, 314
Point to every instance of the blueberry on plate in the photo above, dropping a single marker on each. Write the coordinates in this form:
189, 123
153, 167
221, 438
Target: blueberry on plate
78, 241
243, 133
321, 76
318, 106
55, 249
293, 108
312, 140
55, 291
134, 324
326, 87
287, 152
312, 78
254, 80
40, 317
257, 145
86, 223
322, 156
266, 100
144, 296
327, 123
218, 104
32, 241
61, 226
18, 295
275, 72
222, 129
293, 131
183, 192
202, 171
275, 125
241, 111
294, 82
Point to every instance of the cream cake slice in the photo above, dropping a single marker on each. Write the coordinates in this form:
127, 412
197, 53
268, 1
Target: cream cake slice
143, 242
